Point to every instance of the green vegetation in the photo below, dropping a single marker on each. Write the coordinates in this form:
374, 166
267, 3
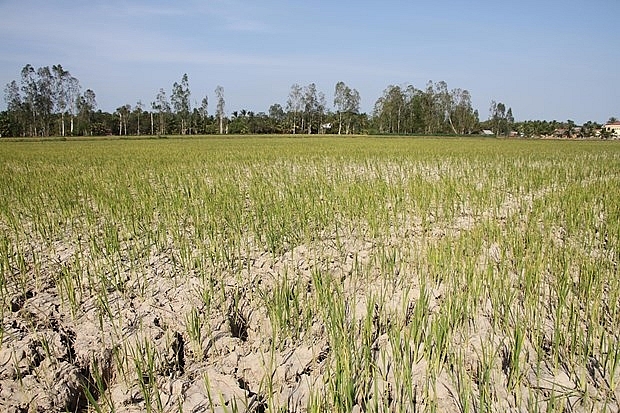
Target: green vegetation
311, 274
49, 102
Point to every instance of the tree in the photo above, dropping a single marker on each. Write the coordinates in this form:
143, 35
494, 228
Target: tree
73, 92
313, 105
294, 104
277, 117
180, 101
310, 105
29, 88
352, 107
389, 109
66, 89
86, 106
16, 115
321, 109
219, 92
45, 98
430, 109
6, 124
501, 120
462, 117
435, 109
162, 107
203, 112
347, 102
123, 115
443, 107
60, 92
340, 93
138, 110
589, 128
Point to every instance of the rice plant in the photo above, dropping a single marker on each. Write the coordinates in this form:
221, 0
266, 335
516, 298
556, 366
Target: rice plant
311, 274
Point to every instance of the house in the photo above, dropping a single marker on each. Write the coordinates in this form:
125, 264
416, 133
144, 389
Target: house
487, 132
613, 128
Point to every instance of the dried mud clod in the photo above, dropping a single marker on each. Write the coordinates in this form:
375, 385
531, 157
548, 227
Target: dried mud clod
18, 301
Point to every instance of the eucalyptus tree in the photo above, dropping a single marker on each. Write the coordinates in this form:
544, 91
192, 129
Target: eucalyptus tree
7, 126
340, 93
123, 115
347, 102
66, 89
277, 116
138, 109
45, 98
17, 112
86, 105
501, 119
432, 110
413, 118
294, 104
434, 106
42, 96
162, 107
60, 92
321, 112
461, 116
389, 109
314, 105
180, 102
219, 92
29, 89
73, 92
203, 112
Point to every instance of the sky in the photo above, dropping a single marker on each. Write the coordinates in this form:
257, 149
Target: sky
546, 59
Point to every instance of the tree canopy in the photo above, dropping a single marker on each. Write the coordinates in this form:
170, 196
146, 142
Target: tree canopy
49, 101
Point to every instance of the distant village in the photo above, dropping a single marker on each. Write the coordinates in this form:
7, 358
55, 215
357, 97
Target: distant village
563, 130
610, 130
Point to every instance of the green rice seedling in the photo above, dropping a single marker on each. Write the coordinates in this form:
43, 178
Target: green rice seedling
193, 326
484, 381
514, 359
144, 358
439, 335
514, 240
462, 382
97, 393
69, 289
287, 312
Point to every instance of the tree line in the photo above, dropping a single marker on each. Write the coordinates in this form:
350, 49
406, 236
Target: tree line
50, 102
44, 101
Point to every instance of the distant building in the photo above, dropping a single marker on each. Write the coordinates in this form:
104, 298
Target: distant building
487, 132
613, 128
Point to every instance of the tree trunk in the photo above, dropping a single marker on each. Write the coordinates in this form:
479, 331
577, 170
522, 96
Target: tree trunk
451, 125
339, 122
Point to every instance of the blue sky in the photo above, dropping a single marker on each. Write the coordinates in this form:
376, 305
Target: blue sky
547, 59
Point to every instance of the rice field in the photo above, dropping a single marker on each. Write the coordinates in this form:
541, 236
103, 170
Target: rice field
310, 275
